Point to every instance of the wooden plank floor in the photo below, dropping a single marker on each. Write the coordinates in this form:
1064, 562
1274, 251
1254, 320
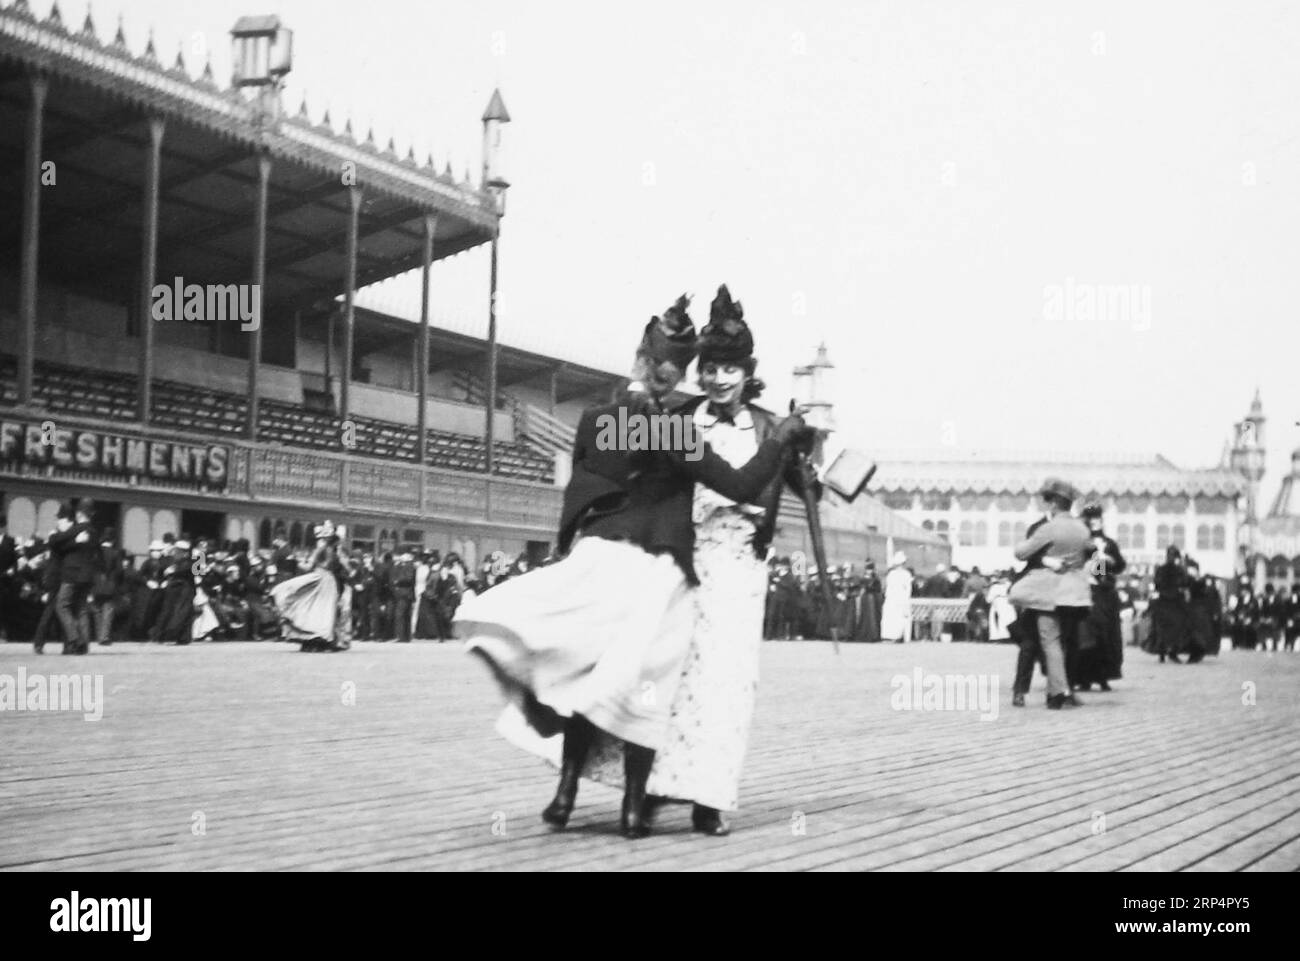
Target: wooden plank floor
246, 756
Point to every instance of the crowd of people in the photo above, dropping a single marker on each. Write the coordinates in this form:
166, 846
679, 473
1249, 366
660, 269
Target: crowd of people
1178, 612
1068, 584
77, 585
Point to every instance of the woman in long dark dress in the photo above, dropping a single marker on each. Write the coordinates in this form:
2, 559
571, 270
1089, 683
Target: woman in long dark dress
1202, 614
1169, 615
1100, 651
1243, 613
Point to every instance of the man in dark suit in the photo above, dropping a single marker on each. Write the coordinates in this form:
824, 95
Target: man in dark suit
8, 549
75, 545
403, 588
381, 598
109, 589
8, 581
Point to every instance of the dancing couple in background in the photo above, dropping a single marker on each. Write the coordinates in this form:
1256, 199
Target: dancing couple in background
601, 652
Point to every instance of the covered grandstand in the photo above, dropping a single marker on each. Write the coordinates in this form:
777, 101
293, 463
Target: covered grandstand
128, 171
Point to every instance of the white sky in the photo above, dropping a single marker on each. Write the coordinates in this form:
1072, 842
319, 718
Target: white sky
915, 175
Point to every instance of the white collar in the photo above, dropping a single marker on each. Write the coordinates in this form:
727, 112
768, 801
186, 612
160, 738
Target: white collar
706, 418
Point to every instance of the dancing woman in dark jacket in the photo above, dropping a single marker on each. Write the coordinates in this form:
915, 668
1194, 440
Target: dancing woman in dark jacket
596, 642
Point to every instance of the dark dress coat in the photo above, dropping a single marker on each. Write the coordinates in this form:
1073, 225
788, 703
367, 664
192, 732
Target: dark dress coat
645, 497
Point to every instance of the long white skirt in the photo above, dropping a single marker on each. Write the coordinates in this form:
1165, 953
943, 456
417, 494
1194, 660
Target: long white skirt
308, 605
708, 729
602, 633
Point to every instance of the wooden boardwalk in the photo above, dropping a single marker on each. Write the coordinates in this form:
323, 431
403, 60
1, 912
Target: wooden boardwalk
246, 756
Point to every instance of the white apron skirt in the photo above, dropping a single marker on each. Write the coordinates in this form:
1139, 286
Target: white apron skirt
602, 633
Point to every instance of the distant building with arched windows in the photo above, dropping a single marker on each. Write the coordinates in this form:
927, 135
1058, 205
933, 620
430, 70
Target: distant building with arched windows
982, 502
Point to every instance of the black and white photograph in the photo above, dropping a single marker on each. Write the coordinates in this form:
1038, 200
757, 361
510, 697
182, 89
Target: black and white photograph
733, 436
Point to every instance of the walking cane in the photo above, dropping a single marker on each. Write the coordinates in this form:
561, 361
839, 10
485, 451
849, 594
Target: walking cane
809, 476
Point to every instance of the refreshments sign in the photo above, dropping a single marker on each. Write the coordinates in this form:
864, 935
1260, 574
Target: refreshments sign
45, 444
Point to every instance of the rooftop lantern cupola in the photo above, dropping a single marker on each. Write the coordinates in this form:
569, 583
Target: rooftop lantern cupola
495, 117
263, 55
263, 51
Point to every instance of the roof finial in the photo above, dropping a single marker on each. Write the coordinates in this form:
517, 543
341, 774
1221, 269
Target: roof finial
410, 155
55, 19
88, 26
119, 41
370, 137
325, 119
347, 130
150, 53
20, 7
208, 76
302, 108
179, 66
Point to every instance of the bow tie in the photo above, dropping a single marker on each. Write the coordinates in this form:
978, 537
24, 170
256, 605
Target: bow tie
723, 416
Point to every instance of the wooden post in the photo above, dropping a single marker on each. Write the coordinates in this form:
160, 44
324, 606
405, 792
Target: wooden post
422, 345
31, 241
349, 309
490, 402
259, 284
329, 354
149, 268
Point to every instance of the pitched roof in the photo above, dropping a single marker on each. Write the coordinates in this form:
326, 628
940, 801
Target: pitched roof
1018, 472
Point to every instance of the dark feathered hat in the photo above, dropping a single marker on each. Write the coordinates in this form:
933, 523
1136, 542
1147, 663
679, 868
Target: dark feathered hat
726, 338
672, 336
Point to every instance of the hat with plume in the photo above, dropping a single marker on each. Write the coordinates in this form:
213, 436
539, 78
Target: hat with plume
726, 339
672, 336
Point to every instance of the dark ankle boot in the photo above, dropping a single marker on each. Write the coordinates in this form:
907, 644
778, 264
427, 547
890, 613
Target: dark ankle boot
577, 741
637, 761
707, 820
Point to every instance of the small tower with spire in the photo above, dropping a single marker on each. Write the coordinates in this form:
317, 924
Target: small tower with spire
812, 391
1247, 459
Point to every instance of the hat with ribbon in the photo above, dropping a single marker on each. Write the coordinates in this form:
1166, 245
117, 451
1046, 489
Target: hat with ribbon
671, 337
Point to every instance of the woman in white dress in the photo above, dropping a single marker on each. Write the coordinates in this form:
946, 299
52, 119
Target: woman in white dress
709, 725
1001, 611
896, 612
592, 647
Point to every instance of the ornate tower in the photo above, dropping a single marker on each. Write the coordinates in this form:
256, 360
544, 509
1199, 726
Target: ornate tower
1248, 460
812, 392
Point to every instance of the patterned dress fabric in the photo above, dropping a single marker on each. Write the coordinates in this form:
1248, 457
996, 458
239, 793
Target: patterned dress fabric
708, 727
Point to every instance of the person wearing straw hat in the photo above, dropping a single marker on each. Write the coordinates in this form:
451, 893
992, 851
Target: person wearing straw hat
1051, 594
